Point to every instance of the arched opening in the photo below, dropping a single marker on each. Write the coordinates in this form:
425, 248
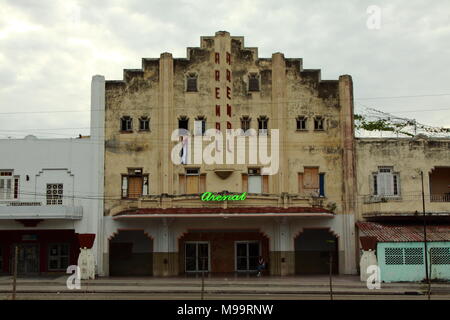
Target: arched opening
313, 248
131, 254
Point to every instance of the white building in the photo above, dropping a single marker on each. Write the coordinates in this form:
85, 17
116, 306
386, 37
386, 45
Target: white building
51, 197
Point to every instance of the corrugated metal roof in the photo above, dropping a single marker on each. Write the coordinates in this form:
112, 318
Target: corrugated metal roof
403, 233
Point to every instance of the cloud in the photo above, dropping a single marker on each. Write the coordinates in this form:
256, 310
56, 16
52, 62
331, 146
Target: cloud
50, 49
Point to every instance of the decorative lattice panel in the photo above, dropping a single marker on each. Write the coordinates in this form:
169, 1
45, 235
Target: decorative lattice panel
413, 256
440, 256
393, 256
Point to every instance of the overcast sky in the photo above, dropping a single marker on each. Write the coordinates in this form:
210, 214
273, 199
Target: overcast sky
49, 50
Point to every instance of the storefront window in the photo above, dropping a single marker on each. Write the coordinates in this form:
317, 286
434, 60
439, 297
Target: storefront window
58, 256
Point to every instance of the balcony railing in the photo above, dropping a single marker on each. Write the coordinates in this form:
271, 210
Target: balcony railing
34, 210
23, 204
440, 197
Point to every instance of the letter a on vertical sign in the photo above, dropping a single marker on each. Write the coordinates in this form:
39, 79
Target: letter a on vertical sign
373, 281
74, 280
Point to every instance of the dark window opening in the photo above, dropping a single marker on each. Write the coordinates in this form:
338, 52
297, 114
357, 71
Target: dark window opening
301, 123
191, 83
183, 123
253, 82
321, 184
126, 123
245, 123
263, 125
144, 124
318, 123
58, 256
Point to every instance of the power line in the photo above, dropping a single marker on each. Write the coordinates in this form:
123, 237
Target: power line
249, 103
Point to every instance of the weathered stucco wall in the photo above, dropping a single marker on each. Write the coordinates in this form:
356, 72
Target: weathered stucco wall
158, 91
407, 156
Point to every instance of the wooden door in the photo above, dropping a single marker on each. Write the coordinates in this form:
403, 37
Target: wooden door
192, 184
134, 187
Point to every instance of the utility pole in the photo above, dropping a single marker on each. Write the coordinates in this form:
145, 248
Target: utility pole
203, 277
331, 271
425, 231
331, 246
16, 258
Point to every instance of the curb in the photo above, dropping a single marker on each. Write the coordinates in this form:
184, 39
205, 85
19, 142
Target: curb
253, 292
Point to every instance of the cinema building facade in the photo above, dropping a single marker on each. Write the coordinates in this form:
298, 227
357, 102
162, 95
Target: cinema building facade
155, 220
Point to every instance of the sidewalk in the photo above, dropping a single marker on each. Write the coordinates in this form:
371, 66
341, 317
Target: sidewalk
221, 284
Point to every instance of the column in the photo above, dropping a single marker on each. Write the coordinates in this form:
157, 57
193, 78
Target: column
165, 119
282, 256
349, 198
165, 256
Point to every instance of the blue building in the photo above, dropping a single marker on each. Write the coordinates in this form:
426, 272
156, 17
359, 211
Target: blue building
400, 250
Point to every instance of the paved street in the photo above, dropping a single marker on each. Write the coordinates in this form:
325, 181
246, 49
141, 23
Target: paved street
196, 296
218, 287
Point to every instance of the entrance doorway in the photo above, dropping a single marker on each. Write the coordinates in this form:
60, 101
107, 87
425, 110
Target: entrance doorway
197, 256
131, 254
247, 254
312, 252
28, 258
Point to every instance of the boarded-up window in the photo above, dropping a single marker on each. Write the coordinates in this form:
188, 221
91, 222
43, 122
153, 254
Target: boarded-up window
265, 181
191, 82
135, 184
182, 183
134, 187
203, 182
309, 181
253, 82
311, 178
192, 182
300, 183
244, 182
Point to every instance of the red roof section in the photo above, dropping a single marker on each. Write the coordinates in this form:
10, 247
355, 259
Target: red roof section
403, 233
207, 210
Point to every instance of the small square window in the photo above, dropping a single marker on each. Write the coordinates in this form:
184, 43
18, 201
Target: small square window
183, 123
263, 125
144, 124
245, 123
126, 124
191, 82
301, 123
318, 123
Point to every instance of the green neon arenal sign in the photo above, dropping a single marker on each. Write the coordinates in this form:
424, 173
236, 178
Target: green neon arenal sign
209, 196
